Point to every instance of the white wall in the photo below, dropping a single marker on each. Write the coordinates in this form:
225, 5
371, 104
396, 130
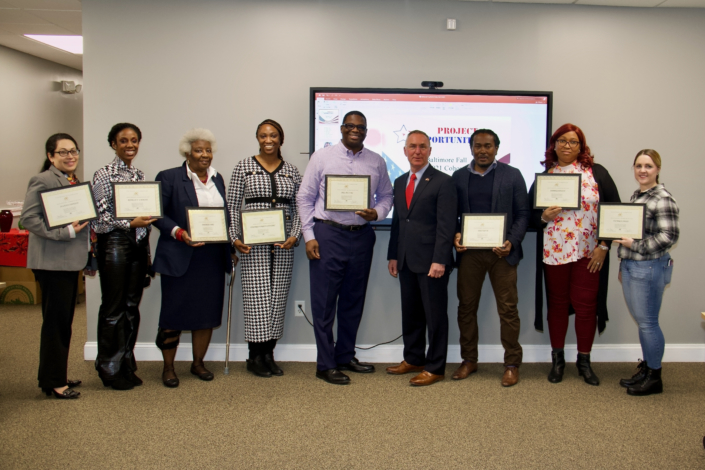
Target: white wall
32, 108
631, 78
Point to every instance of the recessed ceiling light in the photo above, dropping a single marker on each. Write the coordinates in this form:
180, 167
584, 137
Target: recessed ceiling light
72, 44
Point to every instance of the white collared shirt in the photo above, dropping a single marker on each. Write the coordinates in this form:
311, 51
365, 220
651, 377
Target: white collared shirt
207, 194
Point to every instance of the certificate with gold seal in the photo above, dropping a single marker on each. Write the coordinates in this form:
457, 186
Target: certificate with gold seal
138, 199
562, 190
620, 220
482, 231
263, 227
207, 224
68, 204
347, 193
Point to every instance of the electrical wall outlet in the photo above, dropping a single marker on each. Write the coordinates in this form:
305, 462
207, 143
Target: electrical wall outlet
299, 308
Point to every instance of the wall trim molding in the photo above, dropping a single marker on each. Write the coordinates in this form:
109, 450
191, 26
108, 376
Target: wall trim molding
393, 353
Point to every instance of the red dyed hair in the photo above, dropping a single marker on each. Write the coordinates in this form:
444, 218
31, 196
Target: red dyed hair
584, 157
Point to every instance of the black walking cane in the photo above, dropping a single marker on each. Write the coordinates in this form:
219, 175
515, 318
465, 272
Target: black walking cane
230, 308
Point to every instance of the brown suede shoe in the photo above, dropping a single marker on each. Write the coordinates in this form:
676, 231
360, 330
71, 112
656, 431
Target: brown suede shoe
465, 369
403, 368
510, 377
426, 378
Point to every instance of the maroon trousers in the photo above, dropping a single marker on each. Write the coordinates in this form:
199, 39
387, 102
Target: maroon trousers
572, 284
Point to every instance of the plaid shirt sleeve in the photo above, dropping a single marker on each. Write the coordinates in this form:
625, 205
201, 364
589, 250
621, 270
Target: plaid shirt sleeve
103, 194
663, 230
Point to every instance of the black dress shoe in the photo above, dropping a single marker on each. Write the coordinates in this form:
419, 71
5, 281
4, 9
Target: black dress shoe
121, 383
132, 378
333, 376
273, 367
172, 382
356, 366
66, 394
201, 372
258, 367
73, 383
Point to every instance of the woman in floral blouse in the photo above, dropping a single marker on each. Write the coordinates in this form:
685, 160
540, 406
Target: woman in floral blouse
575, 263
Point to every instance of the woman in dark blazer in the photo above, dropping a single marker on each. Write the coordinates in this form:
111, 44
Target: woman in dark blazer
575, 263
192, 274
56, 257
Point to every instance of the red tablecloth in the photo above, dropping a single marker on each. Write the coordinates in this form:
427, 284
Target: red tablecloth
13, 248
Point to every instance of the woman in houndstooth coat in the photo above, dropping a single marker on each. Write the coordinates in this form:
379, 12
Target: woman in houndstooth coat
265, 181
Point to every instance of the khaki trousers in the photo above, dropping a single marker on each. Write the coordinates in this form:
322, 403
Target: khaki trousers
474, 265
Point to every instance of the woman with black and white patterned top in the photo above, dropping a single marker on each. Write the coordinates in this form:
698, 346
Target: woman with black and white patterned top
265, 181
123, 258
646, 268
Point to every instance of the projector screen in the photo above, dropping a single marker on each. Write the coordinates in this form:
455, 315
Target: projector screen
521, 119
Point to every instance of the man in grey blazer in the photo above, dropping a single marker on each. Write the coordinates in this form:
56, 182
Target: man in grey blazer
488, 186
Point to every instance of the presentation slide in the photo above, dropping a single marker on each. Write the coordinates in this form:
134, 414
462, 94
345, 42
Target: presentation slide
520, 121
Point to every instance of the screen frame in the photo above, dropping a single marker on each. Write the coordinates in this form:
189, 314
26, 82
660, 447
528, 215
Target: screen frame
384, 224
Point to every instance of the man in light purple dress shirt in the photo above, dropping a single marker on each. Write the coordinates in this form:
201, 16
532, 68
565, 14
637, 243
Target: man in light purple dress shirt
339, 246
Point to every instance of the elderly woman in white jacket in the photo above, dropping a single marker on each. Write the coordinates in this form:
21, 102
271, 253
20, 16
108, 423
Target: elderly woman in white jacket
56, 256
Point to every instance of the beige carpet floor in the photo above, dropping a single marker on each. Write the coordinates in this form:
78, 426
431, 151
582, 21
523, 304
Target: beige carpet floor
379, 422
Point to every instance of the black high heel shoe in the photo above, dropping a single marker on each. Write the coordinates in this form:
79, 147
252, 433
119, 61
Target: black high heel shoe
73, 383
66, 394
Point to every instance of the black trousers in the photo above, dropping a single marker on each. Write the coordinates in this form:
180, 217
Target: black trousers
122, 263
424, 306
59, 290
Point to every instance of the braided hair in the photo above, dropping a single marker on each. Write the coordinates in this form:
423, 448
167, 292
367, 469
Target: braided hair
279, 129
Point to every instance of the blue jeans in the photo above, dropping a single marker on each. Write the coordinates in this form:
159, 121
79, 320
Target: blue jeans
643, 283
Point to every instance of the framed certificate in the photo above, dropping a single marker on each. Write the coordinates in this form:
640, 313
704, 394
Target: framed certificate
482, 231
207, 224
562, 190
68, 204
347, 193
618, 220
138, 199
263, 227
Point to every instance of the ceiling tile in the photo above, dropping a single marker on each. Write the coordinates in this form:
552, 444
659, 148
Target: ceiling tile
45, 4
16, 16
620, 3
70, 20
23, 29
683, 3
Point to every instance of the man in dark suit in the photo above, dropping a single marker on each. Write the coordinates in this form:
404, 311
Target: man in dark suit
421, 255
488, 186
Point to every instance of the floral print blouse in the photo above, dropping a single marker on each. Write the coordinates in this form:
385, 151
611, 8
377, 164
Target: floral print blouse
572, 235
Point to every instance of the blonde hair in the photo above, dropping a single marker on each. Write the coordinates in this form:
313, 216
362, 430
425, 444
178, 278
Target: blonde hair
192, 136
653, 154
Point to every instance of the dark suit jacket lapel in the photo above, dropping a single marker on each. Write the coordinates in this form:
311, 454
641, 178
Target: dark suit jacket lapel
188, 186
496, 185
220, 184
423, 183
